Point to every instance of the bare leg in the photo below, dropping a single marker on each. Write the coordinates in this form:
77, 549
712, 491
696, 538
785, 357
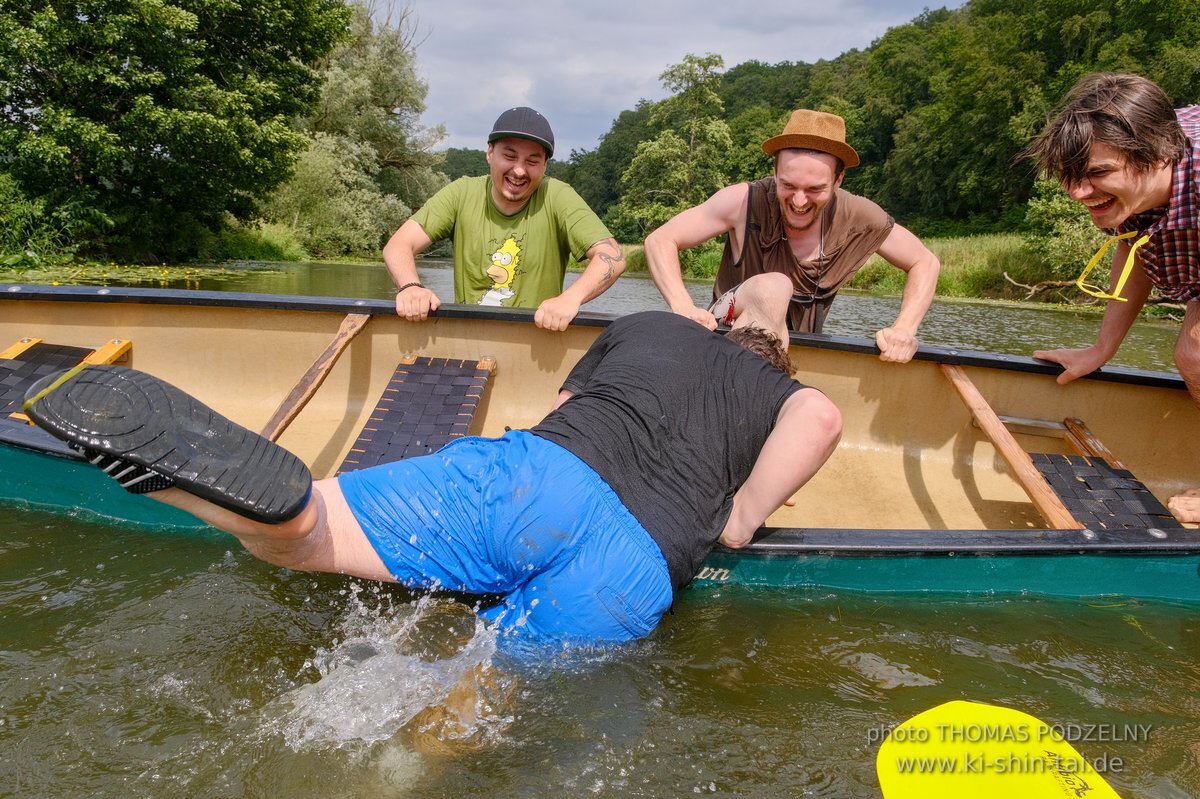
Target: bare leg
1186, 506
323, 537
1187, 350
763, 300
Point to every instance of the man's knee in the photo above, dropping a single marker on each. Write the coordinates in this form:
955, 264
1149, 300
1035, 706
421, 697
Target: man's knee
769, 292
769, 286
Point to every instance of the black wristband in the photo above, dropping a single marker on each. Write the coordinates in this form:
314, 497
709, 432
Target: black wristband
407, 286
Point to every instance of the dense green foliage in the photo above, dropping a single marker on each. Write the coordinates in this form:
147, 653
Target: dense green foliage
153, 130
134, 123
368, 162
1061, 233
939, 109
464, 162
686, 161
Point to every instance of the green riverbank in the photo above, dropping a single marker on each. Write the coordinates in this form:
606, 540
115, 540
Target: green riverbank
983, 267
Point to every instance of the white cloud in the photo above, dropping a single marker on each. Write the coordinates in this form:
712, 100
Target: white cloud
582, 64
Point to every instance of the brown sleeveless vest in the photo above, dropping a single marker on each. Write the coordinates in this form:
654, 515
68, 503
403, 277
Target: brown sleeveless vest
854, 228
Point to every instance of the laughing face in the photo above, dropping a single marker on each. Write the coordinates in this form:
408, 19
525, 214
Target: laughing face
517, 167
804, 185
1112, 190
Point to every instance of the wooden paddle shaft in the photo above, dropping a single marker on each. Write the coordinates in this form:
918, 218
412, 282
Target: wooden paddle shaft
1044, 499
312, 379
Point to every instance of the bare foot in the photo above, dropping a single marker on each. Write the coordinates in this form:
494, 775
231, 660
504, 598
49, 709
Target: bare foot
1186, 506
477, 710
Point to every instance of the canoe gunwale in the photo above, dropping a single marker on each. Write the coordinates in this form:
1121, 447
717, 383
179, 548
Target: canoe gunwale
346, 305
841, 541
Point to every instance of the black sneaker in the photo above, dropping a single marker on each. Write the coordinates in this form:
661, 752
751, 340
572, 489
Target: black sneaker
149, 435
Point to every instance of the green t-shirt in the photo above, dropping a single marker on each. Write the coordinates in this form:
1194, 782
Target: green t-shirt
515, 261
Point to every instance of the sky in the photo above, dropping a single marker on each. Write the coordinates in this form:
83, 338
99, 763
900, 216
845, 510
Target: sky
582, 63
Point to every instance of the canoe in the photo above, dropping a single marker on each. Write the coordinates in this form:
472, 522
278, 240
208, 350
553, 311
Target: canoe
964, 473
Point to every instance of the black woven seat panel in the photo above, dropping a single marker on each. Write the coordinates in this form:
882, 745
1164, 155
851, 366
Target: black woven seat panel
425, 405
1101, 497
18, 374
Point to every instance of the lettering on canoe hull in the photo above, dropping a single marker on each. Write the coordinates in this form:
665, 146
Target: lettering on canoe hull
713, 575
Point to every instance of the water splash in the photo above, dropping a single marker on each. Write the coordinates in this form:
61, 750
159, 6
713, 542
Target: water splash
417, 664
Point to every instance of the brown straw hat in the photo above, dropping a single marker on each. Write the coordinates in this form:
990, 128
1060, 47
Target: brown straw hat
814, 130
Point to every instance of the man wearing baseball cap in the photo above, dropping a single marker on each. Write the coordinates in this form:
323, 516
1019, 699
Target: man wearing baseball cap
514, 231
793, 240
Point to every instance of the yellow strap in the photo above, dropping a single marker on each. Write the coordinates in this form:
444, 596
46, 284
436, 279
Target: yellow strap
64, 377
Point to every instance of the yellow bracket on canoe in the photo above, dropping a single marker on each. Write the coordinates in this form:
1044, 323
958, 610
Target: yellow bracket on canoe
20, 346
64, 377
109, 352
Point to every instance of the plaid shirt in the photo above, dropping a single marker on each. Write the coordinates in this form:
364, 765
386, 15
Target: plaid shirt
1171, 257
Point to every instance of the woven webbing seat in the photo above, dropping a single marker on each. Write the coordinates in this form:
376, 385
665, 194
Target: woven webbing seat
32, 364
1100, 496
427, 403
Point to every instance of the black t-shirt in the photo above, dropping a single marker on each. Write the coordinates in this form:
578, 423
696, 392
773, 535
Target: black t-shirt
673, 417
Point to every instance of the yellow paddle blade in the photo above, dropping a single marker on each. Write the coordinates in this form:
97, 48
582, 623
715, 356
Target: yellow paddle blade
968, 749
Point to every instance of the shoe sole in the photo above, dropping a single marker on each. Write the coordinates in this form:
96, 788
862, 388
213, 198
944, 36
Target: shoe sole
144, 420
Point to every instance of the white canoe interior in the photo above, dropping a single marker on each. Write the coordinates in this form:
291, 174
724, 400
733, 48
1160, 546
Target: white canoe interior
912, 455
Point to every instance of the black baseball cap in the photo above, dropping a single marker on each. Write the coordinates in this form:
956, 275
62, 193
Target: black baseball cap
524, 123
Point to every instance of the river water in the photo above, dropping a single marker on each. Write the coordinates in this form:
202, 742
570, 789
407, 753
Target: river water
1011, 328
137, 663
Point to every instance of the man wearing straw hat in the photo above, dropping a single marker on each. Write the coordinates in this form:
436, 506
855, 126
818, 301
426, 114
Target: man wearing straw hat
793, 240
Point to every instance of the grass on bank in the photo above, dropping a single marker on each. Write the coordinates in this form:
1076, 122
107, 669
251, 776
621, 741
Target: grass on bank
973, 267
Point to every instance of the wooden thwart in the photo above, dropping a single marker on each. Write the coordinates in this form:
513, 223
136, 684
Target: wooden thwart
1085, 442
312, 379
1036, 486
427, 403
1077, 434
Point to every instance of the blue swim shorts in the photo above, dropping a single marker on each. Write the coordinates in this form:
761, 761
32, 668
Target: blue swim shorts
522, 517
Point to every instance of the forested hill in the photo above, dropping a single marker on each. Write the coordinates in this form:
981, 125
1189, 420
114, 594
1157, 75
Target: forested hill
149, 135
937, 108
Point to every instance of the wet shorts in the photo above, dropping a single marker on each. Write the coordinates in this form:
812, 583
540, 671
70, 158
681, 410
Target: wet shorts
522, 517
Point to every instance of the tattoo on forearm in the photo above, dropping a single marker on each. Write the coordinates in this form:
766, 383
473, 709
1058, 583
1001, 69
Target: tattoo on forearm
610, 253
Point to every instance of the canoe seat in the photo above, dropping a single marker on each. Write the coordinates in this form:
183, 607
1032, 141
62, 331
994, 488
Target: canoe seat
1089, 490
427, 403
1101, 496
30, 359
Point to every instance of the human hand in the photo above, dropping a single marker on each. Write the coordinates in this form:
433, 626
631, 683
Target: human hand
415, 303
895, 345
700, 316
1075, 363
556, 313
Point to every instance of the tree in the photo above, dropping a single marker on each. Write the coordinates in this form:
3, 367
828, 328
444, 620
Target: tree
464, 162
687, 161
368, 162
748, 130
371, 94
333, 202
149, 119
596, 174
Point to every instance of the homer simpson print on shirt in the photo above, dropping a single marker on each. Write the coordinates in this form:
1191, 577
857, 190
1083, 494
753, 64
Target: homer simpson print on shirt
504, 266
